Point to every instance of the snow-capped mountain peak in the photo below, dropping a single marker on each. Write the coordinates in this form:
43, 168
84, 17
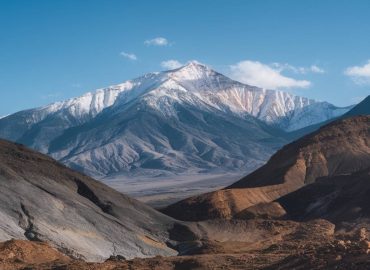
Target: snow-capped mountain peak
198, 84
197, 77
190, 118
191, 72
192, 69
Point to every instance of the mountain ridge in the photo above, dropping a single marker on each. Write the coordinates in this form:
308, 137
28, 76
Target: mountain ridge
66, 131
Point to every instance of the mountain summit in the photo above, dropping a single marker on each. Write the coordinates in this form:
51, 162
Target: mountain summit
190, 119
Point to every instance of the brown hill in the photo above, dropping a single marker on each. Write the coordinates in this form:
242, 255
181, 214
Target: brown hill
336, 198
341, 147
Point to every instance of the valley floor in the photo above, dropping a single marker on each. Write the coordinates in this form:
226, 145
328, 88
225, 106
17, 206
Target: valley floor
161, 191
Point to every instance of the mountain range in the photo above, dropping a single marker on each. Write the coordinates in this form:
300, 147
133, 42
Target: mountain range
188, 120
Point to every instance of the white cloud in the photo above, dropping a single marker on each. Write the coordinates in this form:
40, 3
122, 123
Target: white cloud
130, 56
159, 41
265, 76
171, 64
359, 74
316, 69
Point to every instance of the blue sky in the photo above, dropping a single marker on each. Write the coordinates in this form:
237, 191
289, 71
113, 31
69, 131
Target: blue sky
53, 50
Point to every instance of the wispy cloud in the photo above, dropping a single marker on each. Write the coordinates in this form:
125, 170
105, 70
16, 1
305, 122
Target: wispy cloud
265, 76
171, 64
359, 74
129, 56
298, 70
158, 41
316, 69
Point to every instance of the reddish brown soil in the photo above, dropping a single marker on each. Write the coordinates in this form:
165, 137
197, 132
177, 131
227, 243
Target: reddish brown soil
17, 254
308, 246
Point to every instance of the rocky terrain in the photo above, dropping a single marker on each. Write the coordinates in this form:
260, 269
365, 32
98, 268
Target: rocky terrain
305, 209
311, 245
62, 218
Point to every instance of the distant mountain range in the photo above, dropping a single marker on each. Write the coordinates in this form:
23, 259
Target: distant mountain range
191, 119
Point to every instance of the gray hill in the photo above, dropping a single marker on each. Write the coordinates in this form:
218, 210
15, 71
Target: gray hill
41, 199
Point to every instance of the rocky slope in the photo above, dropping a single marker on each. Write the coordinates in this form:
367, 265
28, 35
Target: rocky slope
339, 198
43, 200
189, 119
340, 148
